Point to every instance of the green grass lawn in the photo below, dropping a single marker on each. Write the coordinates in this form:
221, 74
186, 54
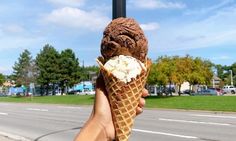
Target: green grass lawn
211, 103
67, 99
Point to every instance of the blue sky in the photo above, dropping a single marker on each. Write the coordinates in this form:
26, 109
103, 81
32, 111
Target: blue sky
203, 28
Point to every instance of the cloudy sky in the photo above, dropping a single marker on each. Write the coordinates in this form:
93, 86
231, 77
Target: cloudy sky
203, 28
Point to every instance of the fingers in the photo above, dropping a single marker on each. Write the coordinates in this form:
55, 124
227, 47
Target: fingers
139, 110
145, 93
142, 102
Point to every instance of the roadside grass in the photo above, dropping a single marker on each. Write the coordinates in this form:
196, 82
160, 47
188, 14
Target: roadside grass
210, 103
67, 99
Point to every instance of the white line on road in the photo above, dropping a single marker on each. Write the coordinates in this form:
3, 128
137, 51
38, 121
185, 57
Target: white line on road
35, 109
197, 122
163, 133
69, 107
5, 114
214, 116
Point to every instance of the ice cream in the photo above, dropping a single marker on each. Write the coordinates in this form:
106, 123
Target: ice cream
124, 66
123, 36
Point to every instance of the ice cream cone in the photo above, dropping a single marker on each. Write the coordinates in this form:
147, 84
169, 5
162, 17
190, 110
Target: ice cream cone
124, 99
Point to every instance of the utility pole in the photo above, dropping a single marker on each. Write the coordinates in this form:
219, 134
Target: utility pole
118, 8
231, 77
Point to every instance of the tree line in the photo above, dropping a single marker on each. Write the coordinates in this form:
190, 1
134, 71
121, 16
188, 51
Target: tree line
52, 68
177, 70
49, 69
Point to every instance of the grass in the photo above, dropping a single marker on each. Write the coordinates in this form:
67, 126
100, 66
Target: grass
210, 103
68, 99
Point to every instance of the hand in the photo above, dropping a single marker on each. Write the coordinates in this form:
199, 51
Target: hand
102, 110
100, 126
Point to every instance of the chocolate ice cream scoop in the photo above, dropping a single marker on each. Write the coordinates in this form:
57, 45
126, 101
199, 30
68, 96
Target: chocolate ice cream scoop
123, 36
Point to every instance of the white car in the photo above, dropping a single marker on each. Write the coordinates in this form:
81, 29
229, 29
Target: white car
229, 89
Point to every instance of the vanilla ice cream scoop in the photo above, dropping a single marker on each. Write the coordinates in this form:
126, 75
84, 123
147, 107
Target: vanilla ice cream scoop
124, 68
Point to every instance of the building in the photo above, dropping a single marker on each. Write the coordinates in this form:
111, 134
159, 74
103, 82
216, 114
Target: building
83, 87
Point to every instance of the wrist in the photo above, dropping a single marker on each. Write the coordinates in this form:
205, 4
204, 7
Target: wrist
101, 125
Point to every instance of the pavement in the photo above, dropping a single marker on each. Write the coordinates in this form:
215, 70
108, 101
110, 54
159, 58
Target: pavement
11, 137
45, 122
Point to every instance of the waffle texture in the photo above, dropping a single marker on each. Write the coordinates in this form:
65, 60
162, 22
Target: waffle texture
124, 99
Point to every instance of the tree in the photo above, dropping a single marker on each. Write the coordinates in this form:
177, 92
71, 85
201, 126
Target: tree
69, 69
23, 73
47, 62
166, 72
182, 71
2, 79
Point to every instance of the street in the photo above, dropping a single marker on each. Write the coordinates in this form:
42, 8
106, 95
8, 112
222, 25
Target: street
44, 122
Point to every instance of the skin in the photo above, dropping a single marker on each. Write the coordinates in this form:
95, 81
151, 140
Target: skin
99, 126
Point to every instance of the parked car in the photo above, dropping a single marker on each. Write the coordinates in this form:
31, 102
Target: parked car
229, 89
188, 92
209, 91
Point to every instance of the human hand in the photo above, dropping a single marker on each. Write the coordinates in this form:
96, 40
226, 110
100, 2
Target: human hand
100, 126
102, 110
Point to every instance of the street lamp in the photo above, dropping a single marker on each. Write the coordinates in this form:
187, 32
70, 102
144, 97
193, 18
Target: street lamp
118, 8
231, 77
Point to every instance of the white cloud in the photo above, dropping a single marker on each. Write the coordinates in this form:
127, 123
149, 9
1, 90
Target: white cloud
218, 29
150, 26
71, 3
77, 18
156, 4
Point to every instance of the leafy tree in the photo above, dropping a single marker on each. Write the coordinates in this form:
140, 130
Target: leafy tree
47, 62
153, 75
182, 71
86, 72
176, 70
23, 69
69, 69
166, 71
2, 79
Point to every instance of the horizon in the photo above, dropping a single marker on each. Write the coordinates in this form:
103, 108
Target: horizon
198, 28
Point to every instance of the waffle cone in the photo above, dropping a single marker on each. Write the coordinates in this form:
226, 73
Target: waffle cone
124, 99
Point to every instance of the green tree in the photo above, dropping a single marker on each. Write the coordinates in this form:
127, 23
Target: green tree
182, 71
69, 69
2, 79
22, 73
47, 62
166, 71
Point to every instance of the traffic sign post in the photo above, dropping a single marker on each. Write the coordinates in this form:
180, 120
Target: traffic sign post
118, 8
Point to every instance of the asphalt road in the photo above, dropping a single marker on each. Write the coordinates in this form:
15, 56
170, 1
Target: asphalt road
40, 122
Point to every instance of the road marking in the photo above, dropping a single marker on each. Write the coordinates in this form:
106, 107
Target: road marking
163, 133
69, 107
5, 114
197, 122
13, 136
35, 109
214, 116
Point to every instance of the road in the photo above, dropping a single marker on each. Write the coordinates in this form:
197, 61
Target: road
42, 122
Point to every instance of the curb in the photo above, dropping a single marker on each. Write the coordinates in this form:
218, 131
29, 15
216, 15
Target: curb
13, 137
